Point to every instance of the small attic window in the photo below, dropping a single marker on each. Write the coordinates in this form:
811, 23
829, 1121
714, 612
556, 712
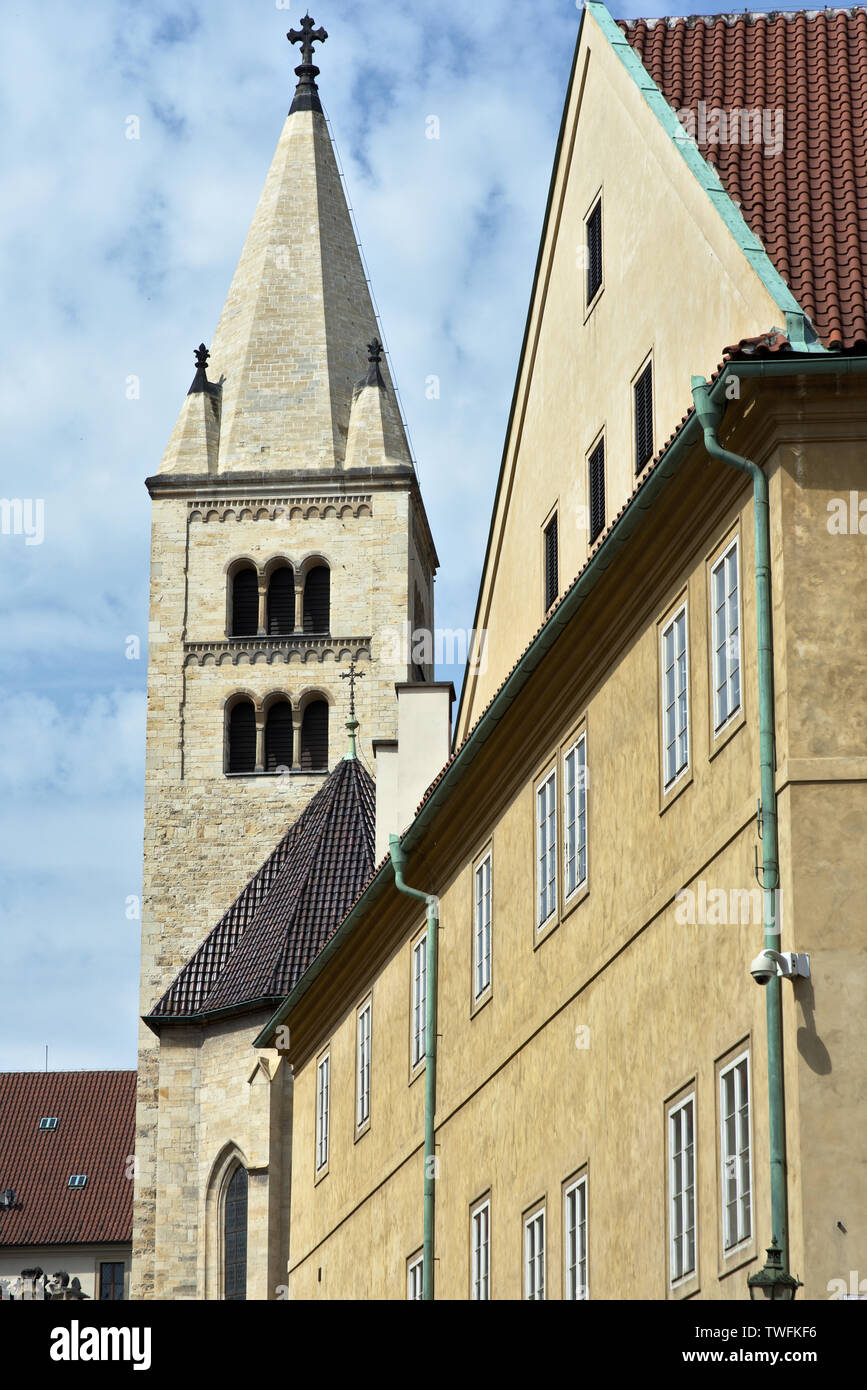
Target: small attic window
77, 1180
48, 1122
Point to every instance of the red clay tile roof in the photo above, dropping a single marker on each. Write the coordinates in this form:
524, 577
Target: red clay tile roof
807, 204
289, 909
95, 1135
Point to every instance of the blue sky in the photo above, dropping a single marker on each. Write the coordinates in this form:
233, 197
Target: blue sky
115, 258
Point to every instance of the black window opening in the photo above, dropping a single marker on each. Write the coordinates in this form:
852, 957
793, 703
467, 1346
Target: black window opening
314, 737
235, 1237
596, 469
643, 391
278, 736
245, 604
552, 571
111, 1281
242, 737
281, 602
317, 600
594, 252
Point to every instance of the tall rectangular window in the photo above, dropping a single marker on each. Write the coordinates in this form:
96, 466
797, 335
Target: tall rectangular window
482, 932
725, 601
480, 1222
322, 1102
681, 1188
552, 567
362, 1098
419, 1000
575, 817
734, 1105
414, 1279
534, 1255
675, 712
643, 409
111, 1281
575, 1242
594, 252
596, 490
546, 848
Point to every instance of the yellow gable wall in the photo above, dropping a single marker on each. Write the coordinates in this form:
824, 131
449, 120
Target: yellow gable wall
675, 283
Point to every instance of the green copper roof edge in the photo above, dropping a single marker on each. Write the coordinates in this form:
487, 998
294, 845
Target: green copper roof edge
799, 330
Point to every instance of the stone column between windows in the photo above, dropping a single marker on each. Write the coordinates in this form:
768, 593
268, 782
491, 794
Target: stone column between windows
296, 739
260, 740
299, 601
263, 607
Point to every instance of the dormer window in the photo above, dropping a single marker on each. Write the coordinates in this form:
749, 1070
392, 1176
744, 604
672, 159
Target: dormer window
77, 1180
48, 1122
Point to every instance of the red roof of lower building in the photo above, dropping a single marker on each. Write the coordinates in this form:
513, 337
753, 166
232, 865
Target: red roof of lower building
94, 1137
802, 187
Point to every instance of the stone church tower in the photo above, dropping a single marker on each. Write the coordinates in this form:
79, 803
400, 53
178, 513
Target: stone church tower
289, 539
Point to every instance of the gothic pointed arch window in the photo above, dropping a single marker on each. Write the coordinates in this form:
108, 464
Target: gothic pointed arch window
317, 600
278, 736
235, 1237
281, 601
241, 737
314, 737
245, 602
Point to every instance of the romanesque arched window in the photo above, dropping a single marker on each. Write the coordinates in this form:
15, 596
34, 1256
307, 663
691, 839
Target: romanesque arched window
317, 599
281, 601
242, 737
245, 602
235, 1237
314, 737
278, 736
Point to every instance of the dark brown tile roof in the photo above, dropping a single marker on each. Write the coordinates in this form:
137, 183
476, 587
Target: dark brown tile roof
95, 1135
808, 204
288, 910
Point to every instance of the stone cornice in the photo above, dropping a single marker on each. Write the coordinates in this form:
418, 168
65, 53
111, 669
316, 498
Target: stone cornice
269, 508
295, 648
281, 482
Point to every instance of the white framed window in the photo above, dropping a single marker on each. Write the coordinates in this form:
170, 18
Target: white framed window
482, 929
675, 699
323, 1098
575, 817
546, 848
735, 1152
362, 1089
419, 999
534, 1255
681, 1188
726, 636
415, 1278
575, 1239
480, 1239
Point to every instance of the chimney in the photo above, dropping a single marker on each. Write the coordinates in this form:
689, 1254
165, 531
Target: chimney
406, 766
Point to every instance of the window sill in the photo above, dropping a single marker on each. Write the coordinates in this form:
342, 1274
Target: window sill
594, 301
542, 933
579, 896
290, 772
361, 1130
677, 788
731, 727
321, 1173
478, 1004
685, 1288
416, 1071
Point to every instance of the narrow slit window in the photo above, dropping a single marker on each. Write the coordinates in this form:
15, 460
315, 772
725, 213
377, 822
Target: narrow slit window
596, 490
362, 1103
575, 1228
643, 393
552, 564
594, 252
546, 849
534, 1256
281, 602
481, 1252
278, 737
245, 603
575, 817
242, 737
734, 1088
681, 1189
414, 1280
323, 1096
419, 1000
482, 935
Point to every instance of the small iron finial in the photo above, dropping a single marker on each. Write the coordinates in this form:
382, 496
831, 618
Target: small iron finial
352, 675
306, 93
202, 356
200, 380
374, 351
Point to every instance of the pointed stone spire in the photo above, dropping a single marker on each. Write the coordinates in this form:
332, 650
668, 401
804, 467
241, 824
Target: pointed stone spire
288, 351
376, 432
195, 441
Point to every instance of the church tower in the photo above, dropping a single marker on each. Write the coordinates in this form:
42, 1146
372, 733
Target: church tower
289, 539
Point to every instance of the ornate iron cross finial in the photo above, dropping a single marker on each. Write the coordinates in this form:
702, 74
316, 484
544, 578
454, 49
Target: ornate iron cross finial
202, 356
307, 36
352, 675
374, 351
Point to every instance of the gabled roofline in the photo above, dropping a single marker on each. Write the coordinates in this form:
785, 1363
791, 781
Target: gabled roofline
614, 538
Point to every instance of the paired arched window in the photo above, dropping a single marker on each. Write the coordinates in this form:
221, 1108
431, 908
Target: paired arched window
242, 737
235, 1237
317, 600
281, 601
314, 737
278, 736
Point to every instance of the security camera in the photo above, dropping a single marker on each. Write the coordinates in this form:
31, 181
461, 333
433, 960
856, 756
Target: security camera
769, 963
